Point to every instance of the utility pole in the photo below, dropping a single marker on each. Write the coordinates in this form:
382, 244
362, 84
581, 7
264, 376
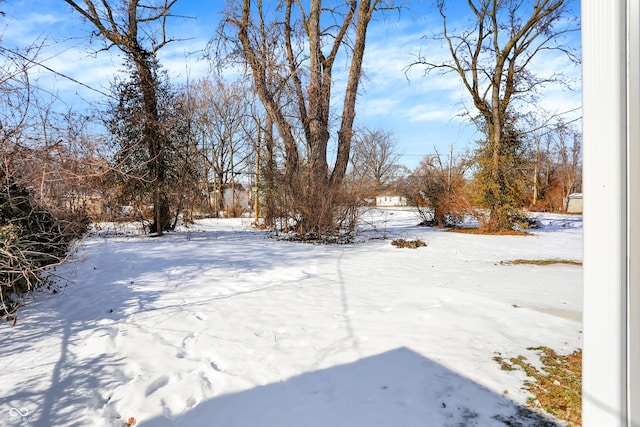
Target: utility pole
256, 194
535, 172
450, 165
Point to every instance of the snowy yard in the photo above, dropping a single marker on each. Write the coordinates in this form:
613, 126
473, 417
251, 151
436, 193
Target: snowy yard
220, 325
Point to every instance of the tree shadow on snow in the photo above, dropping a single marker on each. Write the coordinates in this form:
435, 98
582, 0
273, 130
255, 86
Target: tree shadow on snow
62, 377
396, 388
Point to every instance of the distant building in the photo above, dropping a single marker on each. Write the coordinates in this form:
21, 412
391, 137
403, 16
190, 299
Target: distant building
390, 201
234, 197
574, 203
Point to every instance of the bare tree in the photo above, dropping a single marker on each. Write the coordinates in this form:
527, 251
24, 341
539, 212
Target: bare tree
67, 165
569, 151
224, 126
556, 163
375, 160
493, 58
32, 237
296, 51
438, 190
560, 166
269, 177
138, 29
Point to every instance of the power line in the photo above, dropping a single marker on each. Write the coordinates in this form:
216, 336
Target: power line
40, 64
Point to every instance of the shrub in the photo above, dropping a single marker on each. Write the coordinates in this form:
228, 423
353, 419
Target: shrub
31, 238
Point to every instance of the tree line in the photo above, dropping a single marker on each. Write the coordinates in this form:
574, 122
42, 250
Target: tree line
173, 152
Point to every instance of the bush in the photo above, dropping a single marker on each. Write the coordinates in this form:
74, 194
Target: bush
31, 238
411, 244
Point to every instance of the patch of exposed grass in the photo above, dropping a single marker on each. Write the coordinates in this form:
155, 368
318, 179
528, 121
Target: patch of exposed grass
505, 364
480, 230
540, 262
557, 388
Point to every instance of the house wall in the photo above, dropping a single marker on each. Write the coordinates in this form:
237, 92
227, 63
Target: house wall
391, 201
574, 205
241, 198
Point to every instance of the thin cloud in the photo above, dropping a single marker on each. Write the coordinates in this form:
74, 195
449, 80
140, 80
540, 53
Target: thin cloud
434, 112
379, 106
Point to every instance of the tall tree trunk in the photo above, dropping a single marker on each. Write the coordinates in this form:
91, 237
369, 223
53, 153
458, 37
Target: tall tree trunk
269, 173
154, 139
345, 134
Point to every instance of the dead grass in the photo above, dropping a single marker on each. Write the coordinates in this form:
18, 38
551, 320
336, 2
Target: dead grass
411, 244
557, 388
480, 230
541, 262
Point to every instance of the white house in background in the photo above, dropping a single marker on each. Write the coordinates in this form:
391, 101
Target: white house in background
390, 201
233, 195
574, 203
237, 195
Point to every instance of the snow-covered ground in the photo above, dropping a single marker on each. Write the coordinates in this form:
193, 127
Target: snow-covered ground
220, 325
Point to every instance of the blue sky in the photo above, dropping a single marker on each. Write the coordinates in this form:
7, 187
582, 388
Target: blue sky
423, 113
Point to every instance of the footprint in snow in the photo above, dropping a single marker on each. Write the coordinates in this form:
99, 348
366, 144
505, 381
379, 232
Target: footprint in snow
186, 341
200, 316
157, 385
186, 345
215, 365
